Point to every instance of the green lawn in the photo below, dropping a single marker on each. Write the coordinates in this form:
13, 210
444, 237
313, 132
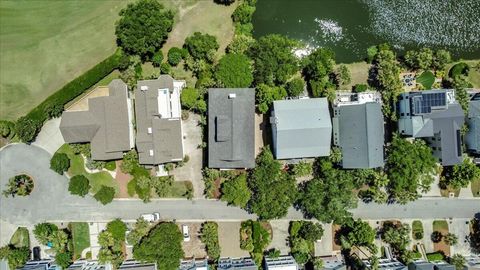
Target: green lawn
81, 237
21, 238
440, 225
77, 167
426, 79
417, 229
46, 44
476, 188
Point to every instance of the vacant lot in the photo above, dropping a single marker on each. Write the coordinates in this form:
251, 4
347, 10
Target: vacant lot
44, 44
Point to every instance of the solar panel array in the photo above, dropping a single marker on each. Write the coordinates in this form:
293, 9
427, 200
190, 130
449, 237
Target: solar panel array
424, 102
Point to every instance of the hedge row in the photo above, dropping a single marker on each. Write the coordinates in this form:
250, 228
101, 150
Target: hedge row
66, 94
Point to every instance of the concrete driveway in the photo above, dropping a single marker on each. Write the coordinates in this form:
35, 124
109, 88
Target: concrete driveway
229, 240
280, 236
192, 170
50, 137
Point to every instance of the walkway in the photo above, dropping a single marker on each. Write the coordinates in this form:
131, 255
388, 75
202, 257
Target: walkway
51, 201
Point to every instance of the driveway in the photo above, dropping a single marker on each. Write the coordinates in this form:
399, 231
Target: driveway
280, 236
50, 137
229, 240
51, 201
192, 170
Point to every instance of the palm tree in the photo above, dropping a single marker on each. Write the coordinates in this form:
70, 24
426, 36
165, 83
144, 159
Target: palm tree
450, 239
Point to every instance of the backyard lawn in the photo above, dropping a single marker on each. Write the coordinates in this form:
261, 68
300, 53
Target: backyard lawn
426, 79
20, 238
80, 236
77, 167
46, 44
359, 74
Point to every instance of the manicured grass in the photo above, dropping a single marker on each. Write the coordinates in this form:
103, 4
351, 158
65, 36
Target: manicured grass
476, 188
426, 79
46, 44
417, 230
440, 225
20, 238
359, 74
81, 238
436, 256
179, 188
77, 167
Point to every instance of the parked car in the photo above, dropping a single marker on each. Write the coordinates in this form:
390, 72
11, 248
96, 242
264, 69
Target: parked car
36, 254
153, 217
186, 235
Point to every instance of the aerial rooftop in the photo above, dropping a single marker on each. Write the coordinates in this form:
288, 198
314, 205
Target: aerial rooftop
301, 128
472, 138
231, 138
436, 116
158, 120
106, 125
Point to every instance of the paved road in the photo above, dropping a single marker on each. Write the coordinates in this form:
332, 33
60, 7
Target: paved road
51, 201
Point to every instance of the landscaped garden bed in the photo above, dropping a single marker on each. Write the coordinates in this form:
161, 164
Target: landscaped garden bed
80, 237
19, 185
440, 227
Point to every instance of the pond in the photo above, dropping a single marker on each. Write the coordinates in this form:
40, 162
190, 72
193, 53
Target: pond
349, 27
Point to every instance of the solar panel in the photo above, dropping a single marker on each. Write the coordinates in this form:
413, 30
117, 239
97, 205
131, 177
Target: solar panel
423, 103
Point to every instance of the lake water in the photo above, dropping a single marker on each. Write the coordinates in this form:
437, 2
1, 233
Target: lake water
349, 27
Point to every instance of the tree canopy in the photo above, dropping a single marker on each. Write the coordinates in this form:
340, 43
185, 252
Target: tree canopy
105, 195
409, 167
162, 245
201, 46
265, 95
295, 87
274, 61
209, 236
143, 27
79, 185
459, 176
318, 70
336, 187
192, 99
234, 71
357, 233
274, 191
117, 228
16, 257
236, 191
43, 231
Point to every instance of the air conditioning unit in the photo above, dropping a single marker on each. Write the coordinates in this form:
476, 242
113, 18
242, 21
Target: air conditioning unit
232, 96
144, 88
151, 152
149, 130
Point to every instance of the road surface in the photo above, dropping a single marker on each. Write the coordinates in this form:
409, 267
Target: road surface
51, 201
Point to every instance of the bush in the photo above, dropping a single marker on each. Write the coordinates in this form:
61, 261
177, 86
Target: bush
63, 259
79, 185
6, 128
27, 128
201, 45
209, 236
16, 257
117, 228
165, 68
358, 88
192, 99
157, 58
243, 13
295, 87
20, 185
436, 256
461, 68
234, 71
175, 56
60, 163
105, 195
43, 231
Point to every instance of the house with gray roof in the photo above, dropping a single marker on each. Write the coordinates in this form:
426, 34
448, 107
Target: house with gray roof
332, 263
158, 120
107, 124
286, 262
358, 132
387, 264
437, 117
245, 263
136, 265
301, 128
424, 265
231, 123
199, 264
472, 138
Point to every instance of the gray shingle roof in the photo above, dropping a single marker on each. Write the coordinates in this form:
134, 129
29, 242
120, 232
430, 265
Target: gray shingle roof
231, 138
106, 124
440, 125
236, 264
472, 139
165, 138
301, 128
358, 131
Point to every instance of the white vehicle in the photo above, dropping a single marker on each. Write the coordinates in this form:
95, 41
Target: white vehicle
186, 235
151, 217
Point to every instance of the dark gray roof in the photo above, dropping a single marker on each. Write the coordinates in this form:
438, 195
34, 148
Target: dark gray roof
165, 138
231, 137
135, 265
436, 119
301, 128
236, 264
193, 264
472, 139
358, 131
444, 266
106, 124
420, 265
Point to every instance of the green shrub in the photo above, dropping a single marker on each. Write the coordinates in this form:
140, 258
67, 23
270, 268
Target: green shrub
60, 163
54, 110
79, 185
165, 68
209, 236
111, 166
105, 195
175, 55
295, 87
459, 69
6, 128
358, 88
27, 128
436, 256
157, 58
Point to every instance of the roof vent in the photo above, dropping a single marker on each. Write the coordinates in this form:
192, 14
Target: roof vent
232, 96
144, 88
149, 130
151, 152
